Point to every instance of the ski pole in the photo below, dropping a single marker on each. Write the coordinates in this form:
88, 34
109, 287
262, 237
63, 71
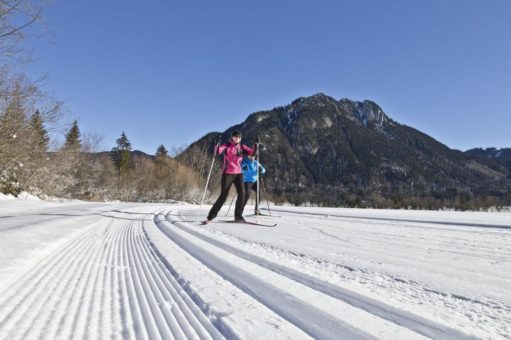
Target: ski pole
267, 202
257, 183
230, 205
210, 170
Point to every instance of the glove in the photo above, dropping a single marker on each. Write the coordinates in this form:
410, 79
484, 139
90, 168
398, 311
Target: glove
257, 140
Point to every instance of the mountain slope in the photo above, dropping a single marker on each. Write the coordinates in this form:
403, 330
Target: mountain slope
344, 152
492, 156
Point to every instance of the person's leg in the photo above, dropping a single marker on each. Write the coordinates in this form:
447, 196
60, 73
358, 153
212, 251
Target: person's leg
247, 187
225, 186
238, 182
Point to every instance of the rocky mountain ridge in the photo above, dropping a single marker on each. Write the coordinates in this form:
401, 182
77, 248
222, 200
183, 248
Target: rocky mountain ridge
344, 152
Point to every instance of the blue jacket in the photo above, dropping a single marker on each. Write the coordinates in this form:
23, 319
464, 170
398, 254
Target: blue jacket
250, 170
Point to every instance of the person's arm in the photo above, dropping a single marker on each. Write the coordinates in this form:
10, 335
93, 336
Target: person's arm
263, 170
222, 148
249, 151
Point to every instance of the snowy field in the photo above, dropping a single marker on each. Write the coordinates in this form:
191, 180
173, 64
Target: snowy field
149, 271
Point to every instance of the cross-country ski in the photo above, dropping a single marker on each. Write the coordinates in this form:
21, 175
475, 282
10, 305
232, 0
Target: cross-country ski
249, 223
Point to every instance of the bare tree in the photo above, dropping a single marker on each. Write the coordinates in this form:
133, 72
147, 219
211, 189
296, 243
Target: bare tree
16, 16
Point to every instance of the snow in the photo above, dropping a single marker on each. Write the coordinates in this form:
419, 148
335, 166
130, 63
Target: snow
134, 270
328, 122
22, 196
4, 197
262, 117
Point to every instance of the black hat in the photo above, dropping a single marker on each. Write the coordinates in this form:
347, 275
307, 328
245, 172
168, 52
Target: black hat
236, 133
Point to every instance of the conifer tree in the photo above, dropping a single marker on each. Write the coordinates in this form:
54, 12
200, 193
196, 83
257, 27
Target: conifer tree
12, 120
13, 147
161, 152
121, 153
73, 142
40, 137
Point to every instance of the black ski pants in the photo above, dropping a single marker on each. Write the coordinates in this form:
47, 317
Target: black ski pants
227, 181
249, 186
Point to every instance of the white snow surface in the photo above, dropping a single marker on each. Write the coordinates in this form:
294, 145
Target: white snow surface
74, 270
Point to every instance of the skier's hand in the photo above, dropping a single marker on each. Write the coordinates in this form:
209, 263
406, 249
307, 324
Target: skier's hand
257, 140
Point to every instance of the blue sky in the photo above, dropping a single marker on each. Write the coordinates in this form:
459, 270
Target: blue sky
168, 72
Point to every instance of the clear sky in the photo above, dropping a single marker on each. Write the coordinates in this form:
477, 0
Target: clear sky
168, 72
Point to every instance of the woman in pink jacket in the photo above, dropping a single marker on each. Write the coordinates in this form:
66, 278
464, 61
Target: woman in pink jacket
233, 155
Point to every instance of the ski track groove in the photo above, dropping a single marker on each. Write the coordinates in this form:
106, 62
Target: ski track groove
448, 281
133, 299
188, 314
32, 286
128, 315
413, 322
17, 287
154, 320
105, 282
173, 318
419, 232
44, 298
90, 304
115, 303
357, 247
71, 323
93, 305
38, 325
185, 325
105, 297
80, 318
450, 295
287, 306
56, 323
106, 319
388, 219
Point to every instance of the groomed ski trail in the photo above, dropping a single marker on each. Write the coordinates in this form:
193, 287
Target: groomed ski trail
415, 323
106, 282
280, 288
148, 271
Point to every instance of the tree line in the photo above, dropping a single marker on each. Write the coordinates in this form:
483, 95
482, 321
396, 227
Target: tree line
31, 158
75, 170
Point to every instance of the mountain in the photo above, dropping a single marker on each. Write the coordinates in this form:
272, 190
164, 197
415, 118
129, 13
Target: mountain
344, 152
134, 154
492, 156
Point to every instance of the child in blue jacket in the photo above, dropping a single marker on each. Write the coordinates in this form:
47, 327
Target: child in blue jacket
249, 168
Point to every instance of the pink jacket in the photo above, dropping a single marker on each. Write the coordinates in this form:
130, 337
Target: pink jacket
233, 156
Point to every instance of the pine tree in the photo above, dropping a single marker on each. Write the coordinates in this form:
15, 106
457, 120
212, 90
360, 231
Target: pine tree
121, 153
161, 152
40, 137
73, 142
12, 120
14, 150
